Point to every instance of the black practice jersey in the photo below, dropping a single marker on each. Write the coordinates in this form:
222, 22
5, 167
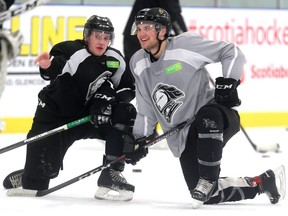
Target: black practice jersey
75, 75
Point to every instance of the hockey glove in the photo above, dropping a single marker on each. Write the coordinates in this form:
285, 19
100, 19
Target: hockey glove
226, 92
101, 110
134, 149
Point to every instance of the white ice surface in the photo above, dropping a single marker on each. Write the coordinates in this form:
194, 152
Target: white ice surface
159, 189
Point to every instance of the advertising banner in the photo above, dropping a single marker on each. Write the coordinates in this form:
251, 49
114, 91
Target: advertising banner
261, 34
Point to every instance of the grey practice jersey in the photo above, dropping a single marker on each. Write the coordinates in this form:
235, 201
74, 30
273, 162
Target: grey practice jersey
172, 89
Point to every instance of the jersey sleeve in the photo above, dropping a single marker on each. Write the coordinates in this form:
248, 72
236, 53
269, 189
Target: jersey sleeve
229, 55
58, 57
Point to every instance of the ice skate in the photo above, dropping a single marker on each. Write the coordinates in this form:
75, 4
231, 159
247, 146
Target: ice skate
272, 183
113, 186
202, 192
13, 180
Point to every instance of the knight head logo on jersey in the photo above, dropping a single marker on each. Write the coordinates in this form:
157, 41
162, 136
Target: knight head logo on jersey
165, 99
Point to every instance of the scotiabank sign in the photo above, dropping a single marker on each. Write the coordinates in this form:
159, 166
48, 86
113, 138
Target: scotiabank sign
272, 33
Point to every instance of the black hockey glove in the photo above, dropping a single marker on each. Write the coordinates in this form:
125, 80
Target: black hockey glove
226, 92
134, 149
101, 110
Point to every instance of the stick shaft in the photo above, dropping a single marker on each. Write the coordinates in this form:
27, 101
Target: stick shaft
248, 138
20, 9
46, 134
169, 132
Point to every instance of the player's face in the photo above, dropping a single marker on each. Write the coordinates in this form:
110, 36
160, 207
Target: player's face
147, 36
98, 42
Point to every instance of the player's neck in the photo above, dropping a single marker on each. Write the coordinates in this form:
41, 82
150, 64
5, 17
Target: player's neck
161, 50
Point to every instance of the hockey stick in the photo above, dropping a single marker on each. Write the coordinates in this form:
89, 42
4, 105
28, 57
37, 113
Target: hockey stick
46, 134
40, 193
20, 9
258, 148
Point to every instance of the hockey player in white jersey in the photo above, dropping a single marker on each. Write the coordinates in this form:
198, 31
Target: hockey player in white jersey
10, 43
172, 86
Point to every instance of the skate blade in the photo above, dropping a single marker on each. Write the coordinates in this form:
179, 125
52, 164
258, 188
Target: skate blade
280, 177
104, 193
196, 204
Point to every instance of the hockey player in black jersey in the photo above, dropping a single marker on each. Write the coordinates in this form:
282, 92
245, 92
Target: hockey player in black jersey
172, 86
86, 77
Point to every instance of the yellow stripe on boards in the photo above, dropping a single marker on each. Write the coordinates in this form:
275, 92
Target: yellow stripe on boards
248, 119
264, 119
17, 124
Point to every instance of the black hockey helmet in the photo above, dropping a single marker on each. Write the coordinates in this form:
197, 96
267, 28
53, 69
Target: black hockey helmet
98, 23
156, 15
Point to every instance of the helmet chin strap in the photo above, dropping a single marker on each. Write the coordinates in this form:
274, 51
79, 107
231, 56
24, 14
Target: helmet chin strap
153, 59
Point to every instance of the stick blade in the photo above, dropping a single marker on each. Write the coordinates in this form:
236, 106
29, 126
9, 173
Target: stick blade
264, 148
18, 192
